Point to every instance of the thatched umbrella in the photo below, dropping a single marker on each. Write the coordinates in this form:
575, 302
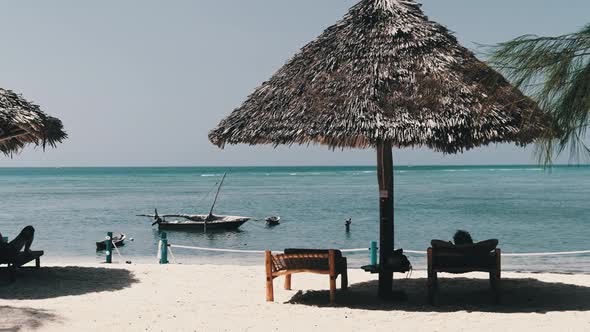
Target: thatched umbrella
385, 76
22, 122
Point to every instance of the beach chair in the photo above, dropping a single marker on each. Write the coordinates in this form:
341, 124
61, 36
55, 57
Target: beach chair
319, 261
479, 257
16, 260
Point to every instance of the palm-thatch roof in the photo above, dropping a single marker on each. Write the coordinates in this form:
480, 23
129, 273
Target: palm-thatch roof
385, 73
22, 122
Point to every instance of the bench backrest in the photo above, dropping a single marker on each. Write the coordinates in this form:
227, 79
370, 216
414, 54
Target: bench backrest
483, 248
305, 259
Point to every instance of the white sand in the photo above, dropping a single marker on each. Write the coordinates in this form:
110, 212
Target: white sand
232, 298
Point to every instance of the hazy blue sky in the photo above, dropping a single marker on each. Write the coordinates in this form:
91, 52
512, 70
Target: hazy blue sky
142, 82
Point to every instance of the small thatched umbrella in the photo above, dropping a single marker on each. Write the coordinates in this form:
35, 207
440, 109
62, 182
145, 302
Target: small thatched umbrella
385, 76
22, 122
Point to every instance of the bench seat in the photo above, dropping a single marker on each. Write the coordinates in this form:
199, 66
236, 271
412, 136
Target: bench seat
20, 259
463, 260
318, 261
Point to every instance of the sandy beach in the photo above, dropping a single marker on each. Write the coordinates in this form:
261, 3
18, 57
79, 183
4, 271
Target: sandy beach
150, 297
224, 131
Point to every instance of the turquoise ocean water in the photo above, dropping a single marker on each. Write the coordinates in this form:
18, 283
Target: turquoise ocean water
529, 209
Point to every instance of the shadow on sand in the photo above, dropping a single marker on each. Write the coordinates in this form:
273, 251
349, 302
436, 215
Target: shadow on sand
51, 282
24, 319
460, 294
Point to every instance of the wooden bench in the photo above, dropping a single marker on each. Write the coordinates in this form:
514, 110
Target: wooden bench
463, 259
292, 261
15, 261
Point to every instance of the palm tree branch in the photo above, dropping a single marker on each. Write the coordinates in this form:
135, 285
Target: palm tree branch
556, 72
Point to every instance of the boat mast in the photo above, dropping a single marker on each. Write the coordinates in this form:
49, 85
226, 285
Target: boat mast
210, 216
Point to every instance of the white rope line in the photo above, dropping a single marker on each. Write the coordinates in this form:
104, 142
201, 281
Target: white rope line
415, 252
355, 250
172, 254
219, 250
368, 249
118, 252
563, 253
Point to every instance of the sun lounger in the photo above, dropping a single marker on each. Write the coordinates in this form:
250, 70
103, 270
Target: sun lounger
15, 261
447, 257
328, 262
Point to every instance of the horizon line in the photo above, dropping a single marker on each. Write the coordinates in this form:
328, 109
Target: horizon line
286, 166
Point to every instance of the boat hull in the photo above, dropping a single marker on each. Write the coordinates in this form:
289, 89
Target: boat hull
273, 221
200, 225
119, 242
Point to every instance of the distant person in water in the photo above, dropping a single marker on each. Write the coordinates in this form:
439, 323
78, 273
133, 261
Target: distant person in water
22, 240
347, 224
462, 237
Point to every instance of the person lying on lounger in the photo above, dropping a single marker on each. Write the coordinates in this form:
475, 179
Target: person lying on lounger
22, 240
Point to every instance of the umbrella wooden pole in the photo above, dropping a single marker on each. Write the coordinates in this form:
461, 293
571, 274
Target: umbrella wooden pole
386, 229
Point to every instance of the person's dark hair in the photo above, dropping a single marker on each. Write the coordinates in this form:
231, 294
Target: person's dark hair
462, 237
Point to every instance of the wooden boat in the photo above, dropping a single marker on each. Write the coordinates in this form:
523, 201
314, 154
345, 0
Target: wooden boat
198, 222
118, 239
201, 222
273, 220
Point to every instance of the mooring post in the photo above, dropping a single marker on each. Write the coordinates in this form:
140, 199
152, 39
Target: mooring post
109, 246
164, 249
373, 252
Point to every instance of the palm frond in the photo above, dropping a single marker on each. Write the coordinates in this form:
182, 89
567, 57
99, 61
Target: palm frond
556, 72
